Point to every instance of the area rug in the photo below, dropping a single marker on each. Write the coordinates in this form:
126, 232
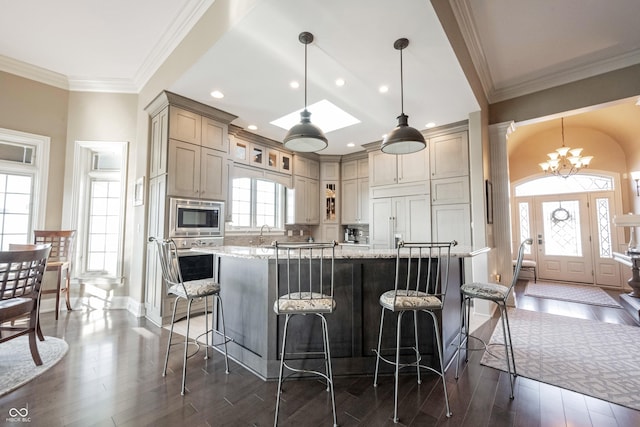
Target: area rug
574, 293
17, 366
593, 358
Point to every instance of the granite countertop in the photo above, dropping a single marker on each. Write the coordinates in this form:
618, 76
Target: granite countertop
267, 252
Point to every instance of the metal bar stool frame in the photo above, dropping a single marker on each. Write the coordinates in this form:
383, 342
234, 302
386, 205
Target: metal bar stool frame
425, 293
305, 297
498, 294
189, 291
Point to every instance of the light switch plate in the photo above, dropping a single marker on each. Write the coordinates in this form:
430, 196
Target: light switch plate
289, 233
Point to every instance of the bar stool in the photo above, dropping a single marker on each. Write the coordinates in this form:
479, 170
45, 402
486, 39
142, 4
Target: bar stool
420, 286
60, 258
189, 291
302, 288
499, 294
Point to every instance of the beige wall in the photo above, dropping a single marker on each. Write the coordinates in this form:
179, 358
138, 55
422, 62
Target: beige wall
29, 106
607, 152
103, 117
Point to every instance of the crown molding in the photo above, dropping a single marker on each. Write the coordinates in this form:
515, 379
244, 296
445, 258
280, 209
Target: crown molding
558, 76
179, 28
462, 12
32, 72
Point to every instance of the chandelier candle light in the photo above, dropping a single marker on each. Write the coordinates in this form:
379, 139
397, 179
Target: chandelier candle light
565, 161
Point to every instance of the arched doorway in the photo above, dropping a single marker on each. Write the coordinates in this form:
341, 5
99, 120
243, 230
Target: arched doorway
571, 223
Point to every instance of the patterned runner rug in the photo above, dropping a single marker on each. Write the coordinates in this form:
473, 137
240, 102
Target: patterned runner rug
575, 293
593, 358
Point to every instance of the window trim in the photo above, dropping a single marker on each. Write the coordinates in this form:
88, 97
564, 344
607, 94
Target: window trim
81, 170
280, 215
39, 169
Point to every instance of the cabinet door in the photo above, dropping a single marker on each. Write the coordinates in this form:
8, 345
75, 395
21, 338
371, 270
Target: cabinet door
313, 201
154, 289
330, 203
363, 201
214, 135
350, 201
159, 139
313, 169
380, 229
417, 217
185, 125
257, 155
272, 159
449, 155
413, 167
350, 170
330, 171
383, 169
450, 190
239, 150
363, 168
452, 222
213, 175
184, 169
285, 163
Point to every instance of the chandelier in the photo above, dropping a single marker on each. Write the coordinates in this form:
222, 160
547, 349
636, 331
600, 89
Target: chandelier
565, 161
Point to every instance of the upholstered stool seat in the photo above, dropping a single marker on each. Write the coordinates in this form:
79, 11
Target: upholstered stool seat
488, 291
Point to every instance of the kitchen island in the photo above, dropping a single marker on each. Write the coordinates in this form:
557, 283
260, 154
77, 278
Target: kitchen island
247, 277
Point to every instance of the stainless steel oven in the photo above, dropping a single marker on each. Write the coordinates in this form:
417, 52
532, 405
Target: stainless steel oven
196, 218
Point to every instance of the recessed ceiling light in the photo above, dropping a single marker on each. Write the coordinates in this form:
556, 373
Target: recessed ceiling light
383, 89
294, 85
324, 114
217, 94
430, 125
340, 82
252, 127
351, 144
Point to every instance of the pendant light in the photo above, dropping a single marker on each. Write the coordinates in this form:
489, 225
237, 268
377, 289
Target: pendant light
305, 136
403, 139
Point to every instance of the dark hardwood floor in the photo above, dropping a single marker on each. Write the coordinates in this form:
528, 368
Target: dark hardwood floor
112, 376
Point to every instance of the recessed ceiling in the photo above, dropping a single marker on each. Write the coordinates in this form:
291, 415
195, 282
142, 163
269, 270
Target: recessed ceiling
517, 47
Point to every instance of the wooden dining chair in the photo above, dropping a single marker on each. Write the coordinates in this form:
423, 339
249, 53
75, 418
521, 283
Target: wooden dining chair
60, 258
21, 273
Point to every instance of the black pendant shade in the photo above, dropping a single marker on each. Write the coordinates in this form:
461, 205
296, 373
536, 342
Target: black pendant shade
403, 139
305, 136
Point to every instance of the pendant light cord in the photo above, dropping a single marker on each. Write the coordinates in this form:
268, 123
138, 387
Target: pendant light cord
401, 85
305, 76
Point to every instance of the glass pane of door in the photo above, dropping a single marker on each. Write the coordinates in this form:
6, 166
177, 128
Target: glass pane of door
561, 220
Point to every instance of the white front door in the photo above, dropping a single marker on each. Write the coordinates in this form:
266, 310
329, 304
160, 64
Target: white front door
563, 238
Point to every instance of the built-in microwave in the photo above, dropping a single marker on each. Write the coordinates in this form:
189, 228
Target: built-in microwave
196, 218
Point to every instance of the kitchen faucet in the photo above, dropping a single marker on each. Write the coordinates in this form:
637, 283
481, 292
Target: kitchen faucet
261, 237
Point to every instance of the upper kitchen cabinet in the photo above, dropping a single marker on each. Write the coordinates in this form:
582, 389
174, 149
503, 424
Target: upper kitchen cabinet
196, 172
185, 125
189, 142
303, 166
355, 191
159, 141
449, 155
215, 135
389, 169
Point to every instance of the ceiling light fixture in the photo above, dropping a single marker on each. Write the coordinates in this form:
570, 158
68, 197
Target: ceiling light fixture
403, 139
217, 94
305, 136
565, 161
